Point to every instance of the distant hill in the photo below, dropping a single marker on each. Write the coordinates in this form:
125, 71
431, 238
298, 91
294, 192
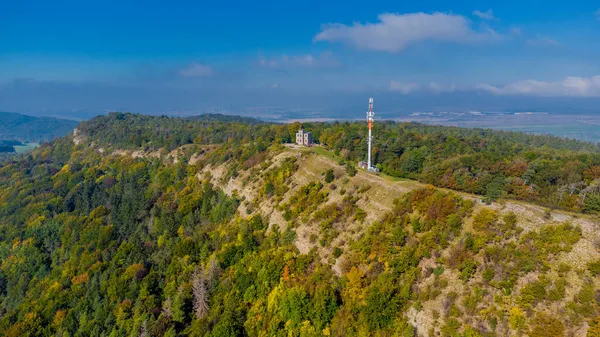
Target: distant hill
226, 118
33, 129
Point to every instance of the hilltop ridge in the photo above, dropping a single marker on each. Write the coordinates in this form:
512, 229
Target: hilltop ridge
551, 171
14, 126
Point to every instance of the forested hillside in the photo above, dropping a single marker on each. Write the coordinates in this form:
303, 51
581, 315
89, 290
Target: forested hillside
157, 226
33, 129
552, 171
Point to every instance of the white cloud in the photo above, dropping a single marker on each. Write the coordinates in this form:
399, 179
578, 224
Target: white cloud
394, 32
268, 63
407, 87
487, 15
570, 86
404, 88
437, 87
196, 70
597, 14
308, 60
515, 31
303, 61
542, 42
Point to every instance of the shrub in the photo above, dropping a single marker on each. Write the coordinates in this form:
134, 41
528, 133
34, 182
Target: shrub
329, 176
467, 270
337, 251
564, 268
473, 299
488, 274
583, 303
557, 293
533, 293
360, 215
594, 330
457, 255
545, 325
553, 239
516, 318
450, 329
510, 219
474, 242
594, 268
485, 219
470, 332
416, 224
350, 169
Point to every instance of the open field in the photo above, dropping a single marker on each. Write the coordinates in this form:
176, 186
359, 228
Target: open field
26, 148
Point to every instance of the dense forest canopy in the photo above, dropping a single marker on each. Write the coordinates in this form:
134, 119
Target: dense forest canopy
97, 241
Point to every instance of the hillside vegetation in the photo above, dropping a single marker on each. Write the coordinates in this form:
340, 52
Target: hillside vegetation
212, 228
547, 170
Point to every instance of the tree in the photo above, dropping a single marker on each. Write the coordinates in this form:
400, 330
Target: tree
166, 309
200, 293
212, 272
592, 204
494, 189
143, 329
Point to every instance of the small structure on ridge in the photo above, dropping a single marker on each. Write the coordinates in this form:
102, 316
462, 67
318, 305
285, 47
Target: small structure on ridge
304, 138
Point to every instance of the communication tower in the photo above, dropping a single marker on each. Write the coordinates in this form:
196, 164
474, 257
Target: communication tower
370, 118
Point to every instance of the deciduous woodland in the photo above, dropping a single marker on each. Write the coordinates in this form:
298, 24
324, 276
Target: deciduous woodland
217, 226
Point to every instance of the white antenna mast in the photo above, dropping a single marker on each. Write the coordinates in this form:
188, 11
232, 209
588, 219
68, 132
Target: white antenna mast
370, 118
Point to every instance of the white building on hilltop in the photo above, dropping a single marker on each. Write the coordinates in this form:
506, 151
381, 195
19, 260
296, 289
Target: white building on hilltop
304, 138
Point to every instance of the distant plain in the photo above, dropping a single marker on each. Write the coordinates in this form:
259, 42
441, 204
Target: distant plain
581, 127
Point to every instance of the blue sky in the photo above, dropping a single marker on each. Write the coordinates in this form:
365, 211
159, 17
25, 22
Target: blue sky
78, 57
